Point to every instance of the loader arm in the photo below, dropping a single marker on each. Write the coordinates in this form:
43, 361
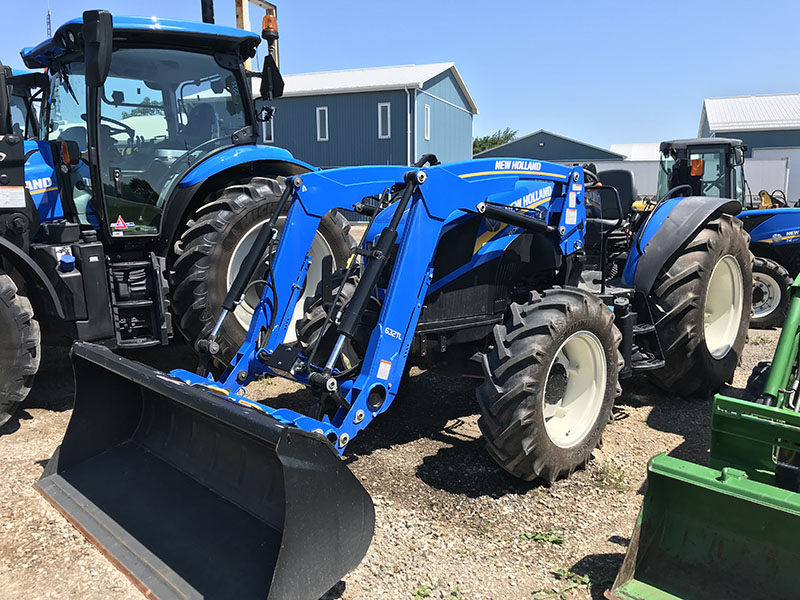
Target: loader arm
492, 187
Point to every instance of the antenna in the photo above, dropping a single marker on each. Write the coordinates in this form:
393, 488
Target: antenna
49, 28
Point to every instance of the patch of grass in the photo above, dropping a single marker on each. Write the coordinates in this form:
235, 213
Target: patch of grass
572, 577
548, 536
483, 529
759, 341
457, 595
612, 477
422, 591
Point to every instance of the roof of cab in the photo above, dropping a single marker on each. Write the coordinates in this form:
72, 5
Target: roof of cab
197, 35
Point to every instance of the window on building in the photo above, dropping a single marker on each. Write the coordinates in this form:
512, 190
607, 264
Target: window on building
427, 121
384, 120
268, 131
322, 123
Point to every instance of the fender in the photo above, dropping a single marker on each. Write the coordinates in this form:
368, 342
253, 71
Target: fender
212, 174
238, 155
670, 226
46, 298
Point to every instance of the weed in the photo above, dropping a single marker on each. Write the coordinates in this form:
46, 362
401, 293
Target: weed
483, 529
456, 595
610, 476
422, 591
759, 341
559, 594
548, 536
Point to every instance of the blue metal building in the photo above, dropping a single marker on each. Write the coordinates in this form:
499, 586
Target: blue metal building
384, 115
546, 145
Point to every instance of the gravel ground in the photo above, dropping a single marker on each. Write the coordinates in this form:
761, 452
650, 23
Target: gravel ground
450, 523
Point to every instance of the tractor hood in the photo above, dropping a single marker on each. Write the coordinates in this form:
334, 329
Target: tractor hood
147, 30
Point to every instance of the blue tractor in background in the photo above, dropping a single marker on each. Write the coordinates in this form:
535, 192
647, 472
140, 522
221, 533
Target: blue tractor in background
135, 204
493, 269
715, 167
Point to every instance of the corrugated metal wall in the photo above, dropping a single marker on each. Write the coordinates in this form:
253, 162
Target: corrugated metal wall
352, 129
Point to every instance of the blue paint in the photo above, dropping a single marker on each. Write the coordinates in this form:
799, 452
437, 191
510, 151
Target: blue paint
449, 195
237, 155
40, 179
644, 235
43, 54
781, 229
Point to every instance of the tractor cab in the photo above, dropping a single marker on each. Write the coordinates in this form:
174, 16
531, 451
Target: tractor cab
141, 106
20, 102
707, 166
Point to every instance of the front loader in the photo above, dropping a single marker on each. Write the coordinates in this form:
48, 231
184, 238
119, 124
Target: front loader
729, 530
477, 268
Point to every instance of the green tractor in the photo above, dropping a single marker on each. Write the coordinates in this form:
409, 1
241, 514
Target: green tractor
729, 530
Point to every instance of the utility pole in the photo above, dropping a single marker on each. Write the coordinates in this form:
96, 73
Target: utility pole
243, 22
49, 28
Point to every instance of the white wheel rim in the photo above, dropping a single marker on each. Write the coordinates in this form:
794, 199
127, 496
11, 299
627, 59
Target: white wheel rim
570, 413
244, 311
770, 295
723, 307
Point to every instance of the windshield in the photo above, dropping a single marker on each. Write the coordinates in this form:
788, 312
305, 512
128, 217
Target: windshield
18, 114
705, 171
161, 111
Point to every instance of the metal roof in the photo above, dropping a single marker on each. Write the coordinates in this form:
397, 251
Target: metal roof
369, 80
752, 113
550, 133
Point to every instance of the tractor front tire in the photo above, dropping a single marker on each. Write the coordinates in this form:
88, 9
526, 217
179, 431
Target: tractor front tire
771, 296
702, 301
213, 247
20, 349
549, 384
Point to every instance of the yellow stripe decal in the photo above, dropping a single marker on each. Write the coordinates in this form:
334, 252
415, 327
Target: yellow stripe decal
783, 237
50, 189
482, 173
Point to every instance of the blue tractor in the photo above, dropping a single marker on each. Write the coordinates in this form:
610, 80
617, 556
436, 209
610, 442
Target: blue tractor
134, 206
493, 269
715, 167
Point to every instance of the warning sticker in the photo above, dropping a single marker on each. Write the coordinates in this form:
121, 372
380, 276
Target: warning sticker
572, 199
383, 369
571, 218
12, 197
121, 224
577, 187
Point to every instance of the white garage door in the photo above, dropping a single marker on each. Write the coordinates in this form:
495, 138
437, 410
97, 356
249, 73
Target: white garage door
793, 156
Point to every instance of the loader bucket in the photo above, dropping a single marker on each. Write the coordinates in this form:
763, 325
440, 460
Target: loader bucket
708, 534
193, 496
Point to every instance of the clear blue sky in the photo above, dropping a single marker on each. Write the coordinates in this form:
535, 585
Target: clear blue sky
599, 71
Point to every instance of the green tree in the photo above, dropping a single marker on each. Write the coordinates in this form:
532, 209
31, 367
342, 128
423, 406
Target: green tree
501, 136
149, 107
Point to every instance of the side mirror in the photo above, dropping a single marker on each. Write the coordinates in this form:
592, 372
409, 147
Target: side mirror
98, 33
271, 80
738, 156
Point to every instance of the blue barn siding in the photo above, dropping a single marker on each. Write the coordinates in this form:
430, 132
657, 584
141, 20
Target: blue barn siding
553, 148
352, 129
451, 128
764, 139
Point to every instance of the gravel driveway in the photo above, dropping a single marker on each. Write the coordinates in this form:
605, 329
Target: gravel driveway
450, 523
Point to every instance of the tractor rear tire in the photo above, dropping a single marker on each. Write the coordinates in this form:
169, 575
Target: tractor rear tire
528, 427
213, 246
771, 295
20, 349
702, 300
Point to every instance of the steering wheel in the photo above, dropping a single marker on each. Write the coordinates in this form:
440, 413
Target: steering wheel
121, 127
779, 198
